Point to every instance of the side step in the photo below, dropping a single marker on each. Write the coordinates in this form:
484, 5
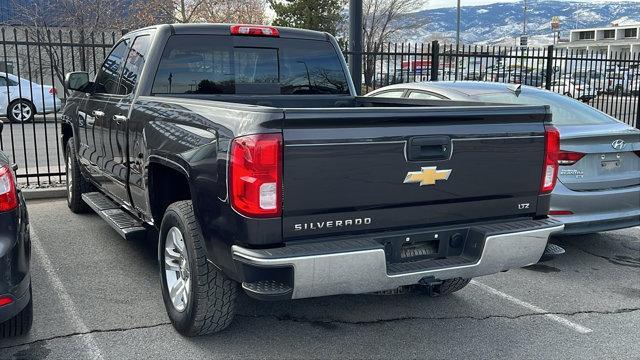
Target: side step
121, 221
268, 290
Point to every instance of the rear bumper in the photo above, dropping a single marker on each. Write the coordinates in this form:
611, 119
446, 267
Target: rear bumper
595, 211
360, 265
20, 296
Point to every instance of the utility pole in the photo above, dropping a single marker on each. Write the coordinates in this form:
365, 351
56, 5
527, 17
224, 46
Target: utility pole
524, 22
458, 27
355, 43
457, 39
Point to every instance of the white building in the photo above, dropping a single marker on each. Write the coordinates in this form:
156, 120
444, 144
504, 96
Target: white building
619, 41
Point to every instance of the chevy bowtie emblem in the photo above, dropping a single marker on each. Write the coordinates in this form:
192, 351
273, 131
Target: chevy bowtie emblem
427, 175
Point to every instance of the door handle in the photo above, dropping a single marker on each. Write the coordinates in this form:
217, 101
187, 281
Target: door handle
429, 148
119, 119
97, 113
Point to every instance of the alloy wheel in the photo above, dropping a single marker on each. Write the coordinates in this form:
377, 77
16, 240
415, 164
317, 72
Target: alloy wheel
21, 112
176, 265
69, 180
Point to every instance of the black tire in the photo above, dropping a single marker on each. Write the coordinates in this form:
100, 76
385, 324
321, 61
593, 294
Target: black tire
447, 287
619, 90
28, 108
20, 324
76, 183
212, 295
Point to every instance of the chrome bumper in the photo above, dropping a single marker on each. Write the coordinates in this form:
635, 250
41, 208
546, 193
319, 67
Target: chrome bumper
363, 271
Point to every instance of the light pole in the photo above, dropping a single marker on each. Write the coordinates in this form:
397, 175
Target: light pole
524, 22
457, 38
458, 27
355, 43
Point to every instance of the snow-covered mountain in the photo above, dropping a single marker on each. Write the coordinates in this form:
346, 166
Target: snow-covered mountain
501, 23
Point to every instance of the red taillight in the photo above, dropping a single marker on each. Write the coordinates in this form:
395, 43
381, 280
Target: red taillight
560, 212
254, 30
255, 175
8, 194
5, 300
53, 91
551, 150
569, 157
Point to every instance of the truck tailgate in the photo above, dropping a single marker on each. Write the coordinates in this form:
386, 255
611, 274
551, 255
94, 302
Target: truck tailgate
363, 169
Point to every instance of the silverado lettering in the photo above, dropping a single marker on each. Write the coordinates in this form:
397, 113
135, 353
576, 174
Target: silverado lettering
331, 223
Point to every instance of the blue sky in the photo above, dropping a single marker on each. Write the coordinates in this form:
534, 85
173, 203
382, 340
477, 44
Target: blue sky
451, 3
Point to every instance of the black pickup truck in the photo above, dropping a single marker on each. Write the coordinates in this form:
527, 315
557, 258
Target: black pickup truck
246, 152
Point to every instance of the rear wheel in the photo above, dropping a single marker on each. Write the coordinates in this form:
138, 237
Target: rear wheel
76, 183
20, 324
198, 297
446, 287
21, 111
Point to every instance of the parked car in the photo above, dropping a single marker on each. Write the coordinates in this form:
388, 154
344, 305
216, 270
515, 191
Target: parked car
23, 99
573, 88
16, 309
594, 78
621, 83
599, 182
246, 149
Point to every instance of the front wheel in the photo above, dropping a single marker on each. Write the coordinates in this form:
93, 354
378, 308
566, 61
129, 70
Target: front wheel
198, 297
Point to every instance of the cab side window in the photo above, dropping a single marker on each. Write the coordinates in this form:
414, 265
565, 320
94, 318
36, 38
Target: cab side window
107, 78
133, 65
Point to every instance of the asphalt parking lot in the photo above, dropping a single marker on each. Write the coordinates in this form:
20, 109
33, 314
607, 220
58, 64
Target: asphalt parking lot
97, 296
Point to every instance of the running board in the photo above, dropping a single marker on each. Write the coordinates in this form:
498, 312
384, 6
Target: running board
121, 221
268, 290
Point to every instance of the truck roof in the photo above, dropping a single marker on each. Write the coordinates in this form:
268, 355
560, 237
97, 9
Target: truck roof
223, 29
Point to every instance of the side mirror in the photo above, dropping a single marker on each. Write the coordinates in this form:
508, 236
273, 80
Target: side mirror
77, 81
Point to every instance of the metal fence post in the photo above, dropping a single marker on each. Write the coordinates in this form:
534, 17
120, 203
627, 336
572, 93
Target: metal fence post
548, 72
638, 112
355, 43
435, 60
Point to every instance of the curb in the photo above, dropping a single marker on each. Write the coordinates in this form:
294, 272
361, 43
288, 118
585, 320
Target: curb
48, 193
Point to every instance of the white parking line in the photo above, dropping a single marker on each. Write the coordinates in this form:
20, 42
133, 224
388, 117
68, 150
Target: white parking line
559, 319
88, 340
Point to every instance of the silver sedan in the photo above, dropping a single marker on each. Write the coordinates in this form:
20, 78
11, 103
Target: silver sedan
598, 185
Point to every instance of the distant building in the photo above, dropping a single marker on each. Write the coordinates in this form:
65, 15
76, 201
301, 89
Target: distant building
610, 41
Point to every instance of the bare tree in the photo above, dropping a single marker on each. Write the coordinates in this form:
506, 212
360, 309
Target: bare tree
87, 23
383, 21
151, 12
233, 11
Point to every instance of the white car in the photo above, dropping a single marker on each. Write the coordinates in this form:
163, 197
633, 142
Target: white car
622, 83
22, 99
573, 88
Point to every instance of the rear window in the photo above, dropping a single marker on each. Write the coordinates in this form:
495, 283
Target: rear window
209, 64
565, 111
